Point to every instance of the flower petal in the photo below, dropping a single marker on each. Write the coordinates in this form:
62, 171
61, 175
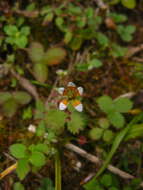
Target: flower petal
63, 104
77, 105
71, 84
61, 90
80, 90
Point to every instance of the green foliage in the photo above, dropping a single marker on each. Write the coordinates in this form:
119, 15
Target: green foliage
23, 168
118, 18
117, 50
42, 59
18, 186
118, 139
10, 101
55, 124
17, 37
126, 32
114, 108
130, 4
76, 123
106, 181
135, 131
33, 155
46, 184
37, 159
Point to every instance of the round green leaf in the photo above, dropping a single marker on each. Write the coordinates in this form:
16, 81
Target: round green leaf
95, 133
106, 104
25, 30
37, 159
116, 119
130, 4
94, 63
21, 97
18, 150
104, 123
108, 135
123, 105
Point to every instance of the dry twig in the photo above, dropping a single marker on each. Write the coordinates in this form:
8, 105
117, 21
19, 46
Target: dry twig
96, 160
101, 4
26, 85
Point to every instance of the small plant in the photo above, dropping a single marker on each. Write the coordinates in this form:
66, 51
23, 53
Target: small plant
126, 32
106, 181
102, 131
114, 109
41, 59
10, 102
17, 37
29, 157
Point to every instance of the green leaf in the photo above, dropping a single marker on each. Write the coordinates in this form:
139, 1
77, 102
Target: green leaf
55, 124
113, 188
118, 139
41, 147
54, 56
22, 168
118, 18
135, 132
48, 18
76, 123
36, 52
68, 36
47, 184
21, 41
18, 186
130, 29
76, 43
106, 180
96, 133
94, 63
4, 96
41, 129
40, 72
106, 104
10, 30
21, 97
92, 185
37, 159
108, 135
18, 150
118, 51
130, 4
10, 107
104, 123
25, 30
116, 119
123, 105
102, 39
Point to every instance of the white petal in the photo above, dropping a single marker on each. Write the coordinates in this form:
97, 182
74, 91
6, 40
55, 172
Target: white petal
62, 106
79, 107
61, 90
32, 128
71, 84
80, 90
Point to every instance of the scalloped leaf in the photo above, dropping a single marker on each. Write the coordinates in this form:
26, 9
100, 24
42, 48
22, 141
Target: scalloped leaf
76, 123
21, 97
4, 96
40, 72
36, 52
55, 119
54, 56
